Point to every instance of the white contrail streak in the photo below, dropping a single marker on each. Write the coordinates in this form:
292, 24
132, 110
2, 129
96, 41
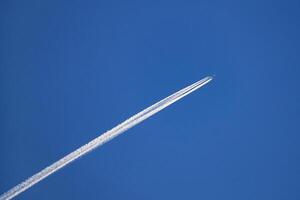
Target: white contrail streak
105, 137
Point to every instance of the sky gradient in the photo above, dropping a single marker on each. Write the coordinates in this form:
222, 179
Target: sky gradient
71, 70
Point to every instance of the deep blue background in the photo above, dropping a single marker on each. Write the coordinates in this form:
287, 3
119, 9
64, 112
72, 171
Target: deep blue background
71, 70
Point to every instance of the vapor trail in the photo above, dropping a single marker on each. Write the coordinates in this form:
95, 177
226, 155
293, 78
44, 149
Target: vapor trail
105, 137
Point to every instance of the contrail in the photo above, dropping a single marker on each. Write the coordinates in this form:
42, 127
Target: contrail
105, 137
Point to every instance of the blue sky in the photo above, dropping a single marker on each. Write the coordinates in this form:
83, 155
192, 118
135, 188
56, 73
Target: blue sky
72, 70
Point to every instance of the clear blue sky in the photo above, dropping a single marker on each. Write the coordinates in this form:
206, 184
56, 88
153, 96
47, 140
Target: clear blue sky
71, 70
